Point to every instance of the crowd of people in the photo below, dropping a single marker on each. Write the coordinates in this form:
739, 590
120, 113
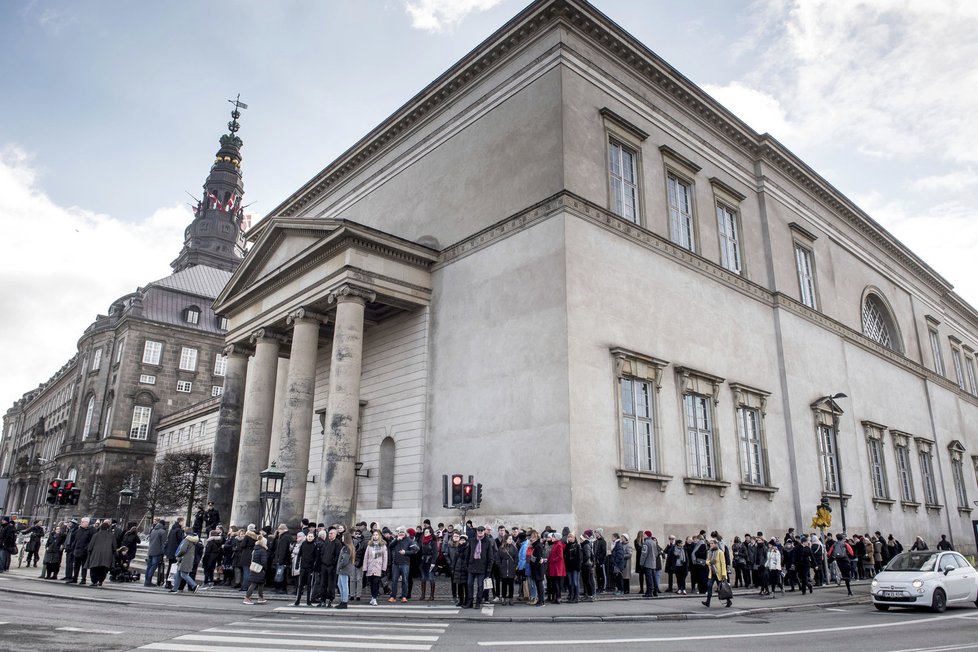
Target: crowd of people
328, 566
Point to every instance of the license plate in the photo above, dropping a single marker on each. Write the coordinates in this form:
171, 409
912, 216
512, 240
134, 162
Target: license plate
892, 594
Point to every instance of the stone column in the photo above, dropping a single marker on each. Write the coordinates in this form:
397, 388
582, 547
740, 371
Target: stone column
256, 427
224, 460
293, 448
341, 442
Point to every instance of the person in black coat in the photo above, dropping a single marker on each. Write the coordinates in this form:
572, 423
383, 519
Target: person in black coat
308, 559
52, 554
329, 556
805, 561
83, 536
480, 556
33, 545
282, 556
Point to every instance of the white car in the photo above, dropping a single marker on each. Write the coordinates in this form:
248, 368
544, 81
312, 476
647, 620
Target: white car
925, 578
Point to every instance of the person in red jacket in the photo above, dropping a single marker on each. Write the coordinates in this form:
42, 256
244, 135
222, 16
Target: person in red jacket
556, 571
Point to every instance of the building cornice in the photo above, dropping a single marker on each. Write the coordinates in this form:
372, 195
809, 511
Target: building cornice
587, 21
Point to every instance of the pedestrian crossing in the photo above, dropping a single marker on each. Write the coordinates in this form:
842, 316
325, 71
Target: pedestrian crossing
377, 610
308, 635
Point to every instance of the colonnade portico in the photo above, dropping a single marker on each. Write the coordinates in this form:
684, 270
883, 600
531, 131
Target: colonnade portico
345, 275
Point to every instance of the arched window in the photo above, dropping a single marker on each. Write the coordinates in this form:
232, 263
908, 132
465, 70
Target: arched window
878, 322
72, 474
88, 417
385, 480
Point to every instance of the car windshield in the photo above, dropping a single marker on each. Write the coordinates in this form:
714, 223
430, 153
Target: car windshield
913, 561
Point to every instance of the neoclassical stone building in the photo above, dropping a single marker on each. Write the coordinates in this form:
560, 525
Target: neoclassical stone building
566, 270
156, 351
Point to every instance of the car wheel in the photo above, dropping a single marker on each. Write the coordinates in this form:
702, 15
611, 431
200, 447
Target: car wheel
881, 607
939, 602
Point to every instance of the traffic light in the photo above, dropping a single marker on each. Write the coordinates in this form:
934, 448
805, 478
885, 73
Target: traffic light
478, 494
64, 494
75, 495
53, 489
467, 493
457, 489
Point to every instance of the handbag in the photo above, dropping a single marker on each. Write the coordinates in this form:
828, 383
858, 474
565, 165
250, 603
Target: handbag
256, 567
280, 573
487, 583
724, 592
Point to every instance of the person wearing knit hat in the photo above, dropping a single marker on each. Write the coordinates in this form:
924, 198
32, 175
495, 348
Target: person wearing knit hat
588, 533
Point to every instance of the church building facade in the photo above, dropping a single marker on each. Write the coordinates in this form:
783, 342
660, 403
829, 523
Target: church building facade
564, 269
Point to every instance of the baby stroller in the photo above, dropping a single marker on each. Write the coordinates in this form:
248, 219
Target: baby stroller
120, 568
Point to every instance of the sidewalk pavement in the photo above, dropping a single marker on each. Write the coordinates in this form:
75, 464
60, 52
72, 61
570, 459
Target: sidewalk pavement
606, 608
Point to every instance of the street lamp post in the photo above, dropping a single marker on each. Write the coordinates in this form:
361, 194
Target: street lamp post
838, 458
125, 502
270, 496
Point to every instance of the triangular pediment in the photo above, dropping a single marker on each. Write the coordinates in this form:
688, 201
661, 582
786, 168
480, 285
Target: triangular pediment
282, 243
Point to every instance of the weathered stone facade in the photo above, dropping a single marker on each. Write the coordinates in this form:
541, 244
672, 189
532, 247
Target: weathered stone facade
564, 269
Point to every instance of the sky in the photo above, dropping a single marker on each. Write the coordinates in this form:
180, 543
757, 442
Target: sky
110, 113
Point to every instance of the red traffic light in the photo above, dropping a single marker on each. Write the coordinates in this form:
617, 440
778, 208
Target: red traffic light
69, 485
55, 484
456, 480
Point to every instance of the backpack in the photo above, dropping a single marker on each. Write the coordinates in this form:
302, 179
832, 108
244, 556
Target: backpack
839, 550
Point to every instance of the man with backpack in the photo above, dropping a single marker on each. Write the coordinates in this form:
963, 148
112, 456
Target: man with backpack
841, 553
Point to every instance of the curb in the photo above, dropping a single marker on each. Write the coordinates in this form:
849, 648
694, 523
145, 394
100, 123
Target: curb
611, 618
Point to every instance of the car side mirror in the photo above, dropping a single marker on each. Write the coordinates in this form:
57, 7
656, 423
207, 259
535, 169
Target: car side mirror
948, 569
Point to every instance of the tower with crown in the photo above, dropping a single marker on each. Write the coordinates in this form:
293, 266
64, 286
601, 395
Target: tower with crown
215, 237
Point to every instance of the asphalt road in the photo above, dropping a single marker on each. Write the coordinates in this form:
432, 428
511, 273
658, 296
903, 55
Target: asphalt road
115, 620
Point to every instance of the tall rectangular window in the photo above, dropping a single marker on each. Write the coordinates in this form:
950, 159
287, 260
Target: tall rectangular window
806, 275
751, 447
958, 368
829, 459
927, 477
935, 349
188, 359
905, 474
729, 238
969, 365
957, 472
877, 468
97, 360
623, 170
120, 350
680, 211
140, 422
220, 364
638, 436
151, 352
699, 437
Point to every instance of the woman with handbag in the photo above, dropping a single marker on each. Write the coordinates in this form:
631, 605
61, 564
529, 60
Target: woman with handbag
345, 568
716, 573
259, 560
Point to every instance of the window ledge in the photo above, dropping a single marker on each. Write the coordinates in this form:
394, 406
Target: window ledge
692, 483
889, 502
624, 475
909, 504
933, 506
964, 510
746, 489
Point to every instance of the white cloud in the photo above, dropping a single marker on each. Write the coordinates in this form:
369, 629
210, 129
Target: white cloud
443, 15
60, 267
945, 236
954, 181
888, 78
761, 111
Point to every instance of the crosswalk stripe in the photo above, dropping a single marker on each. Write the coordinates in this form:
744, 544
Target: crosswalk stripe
241, 631
378, 610
349, 624
296, 642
